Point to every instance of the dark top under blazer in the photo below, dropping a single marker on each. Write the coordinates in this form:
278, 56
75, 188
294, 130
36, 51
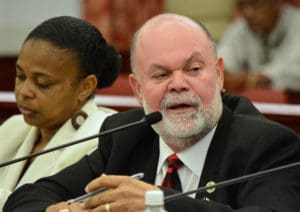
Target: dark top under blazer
244, 142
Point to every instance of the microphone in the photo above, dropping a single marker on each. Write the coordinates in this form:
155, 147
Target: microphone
148, 119
231, 181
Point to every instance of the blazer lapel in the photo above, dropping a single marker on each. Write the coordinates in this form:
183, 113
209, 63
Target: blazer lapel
37, 168
135, 150
210, 173
147, 158
14, 171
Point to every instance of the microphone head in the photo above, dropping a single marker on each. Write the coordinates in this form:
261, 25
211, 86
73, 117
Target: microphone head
153, 118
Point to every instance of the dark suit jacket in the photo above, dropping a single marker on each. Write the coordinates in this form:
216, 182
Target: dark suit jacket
244, 143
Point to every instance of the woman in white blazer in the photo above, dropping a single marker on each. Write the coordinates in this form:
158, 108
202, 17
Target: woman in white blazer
61, 64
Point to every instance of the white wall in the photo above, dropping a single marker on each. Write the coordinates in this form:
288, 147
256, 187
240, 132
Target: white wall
214, 14
18, 17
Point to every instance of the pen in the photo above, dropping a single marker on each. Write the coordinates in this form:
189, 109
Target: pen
137, 176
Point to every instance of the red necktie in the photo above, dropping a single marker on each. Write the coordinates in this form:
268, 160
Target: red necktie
171, 179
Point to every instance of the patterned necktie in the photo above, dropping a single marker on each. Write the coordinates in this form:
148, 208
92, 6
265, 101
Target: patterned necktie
171, 179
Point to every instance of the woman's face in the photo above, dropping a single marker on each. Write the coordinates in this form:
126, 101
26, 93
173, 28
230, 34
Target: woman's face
47, 85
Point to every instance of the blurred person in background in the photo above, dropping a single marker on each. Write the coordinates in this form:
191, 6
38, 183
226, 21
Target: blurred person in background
61, 64
261, 48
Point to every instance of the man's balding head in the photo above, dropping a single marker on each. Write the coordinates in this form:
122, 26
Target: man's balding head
161, 26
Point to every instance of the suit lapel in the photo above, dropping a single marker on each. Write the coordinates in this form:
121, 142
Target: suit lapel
213, 159
134, 150
147, 157
14, 171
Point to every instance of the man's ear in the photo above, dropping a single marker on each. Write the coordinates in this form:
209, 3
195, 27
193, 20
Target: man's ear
87, 86
136, 88
220, 71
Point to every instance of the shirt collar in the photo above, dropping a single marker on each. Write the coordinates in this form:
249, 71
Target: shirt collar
196, 152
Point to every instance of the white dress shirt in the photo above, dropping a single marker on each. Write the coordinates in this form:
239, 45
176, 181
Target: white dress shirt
193, 159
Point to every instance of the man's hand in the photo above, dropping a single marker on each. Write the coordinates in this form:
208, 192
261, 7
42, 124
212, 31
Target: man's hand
64, 207
124, 194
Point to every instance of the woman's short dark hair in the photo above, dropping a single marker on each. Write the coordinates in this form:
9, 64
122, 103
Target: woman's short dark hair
95, 55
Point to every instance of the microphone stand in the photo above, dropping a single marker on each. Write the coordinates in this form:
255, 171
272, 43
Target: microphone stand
147, 120
231, 181
48, 150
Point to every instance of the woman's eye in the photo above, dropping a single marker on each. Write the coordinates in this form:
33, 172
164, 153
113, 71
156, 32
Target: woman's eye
43, 85
21, 77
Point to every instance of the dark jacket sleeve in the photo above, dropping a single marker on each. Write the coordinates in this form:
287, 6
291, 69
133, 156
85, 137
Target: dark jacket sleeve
63, 186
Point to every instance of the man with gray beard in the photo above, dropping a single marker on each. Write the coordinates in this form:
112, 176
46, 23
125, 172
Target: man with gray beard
196, 123
205, 136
